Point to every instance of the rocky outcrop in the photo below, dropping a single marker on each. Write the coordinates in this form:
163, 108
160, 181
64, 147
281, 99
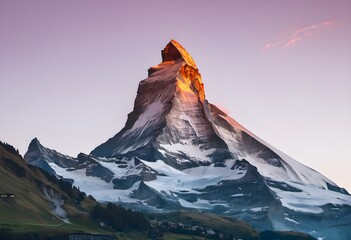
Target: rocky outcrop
153, 198
39, 156
145, 173
94, 168
175, 52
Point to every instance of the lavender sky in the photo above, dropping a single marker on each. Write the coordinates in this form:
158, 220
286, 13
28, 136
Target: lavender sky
69, 70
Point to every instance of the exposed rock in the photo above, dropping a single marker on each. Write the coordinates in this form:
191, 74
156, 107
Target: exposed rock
39, 156
174, 51
126, 182
153, 198
337, 189
94, 168
145, 174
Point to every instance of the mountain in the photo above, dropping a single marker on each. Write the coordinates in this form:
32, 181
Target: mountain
34, 191
178, 151
170, 109
35, 204
42, 157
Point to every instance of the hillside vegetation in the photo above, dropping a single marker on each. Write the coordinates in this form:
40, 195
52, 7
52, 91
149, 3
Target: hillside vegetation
34, 201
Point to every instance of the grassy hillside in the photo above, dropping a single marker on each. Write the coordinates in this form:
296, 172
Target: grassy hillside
30, 209
37, 194
29, 204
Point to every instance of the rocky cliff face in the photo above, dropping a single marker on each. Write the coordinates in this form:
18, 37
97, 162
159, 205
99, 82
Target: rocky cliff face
169, 110
49, 159
40, 157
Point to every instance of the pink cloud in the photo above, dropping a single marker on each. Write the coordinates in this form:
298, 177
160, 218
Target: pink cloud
293, 36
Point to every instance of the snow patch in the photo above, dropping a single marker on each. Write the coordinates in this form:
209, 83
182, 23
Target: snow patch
311, 198
58, 203
258, 209
238, 195
151, 113
291, 220
193, 151
98, 188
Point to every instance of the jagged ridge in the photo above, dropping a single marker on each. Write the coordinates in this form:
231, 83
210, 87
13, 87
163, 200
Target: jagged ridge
167, 100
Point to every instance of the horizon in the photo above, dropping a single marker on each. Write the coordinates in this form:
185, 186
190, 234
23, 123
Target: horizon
283, 74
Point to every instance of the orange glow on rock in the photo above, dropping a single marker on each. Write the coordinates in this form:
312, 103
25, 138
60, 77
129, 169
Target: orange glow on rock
175, 51
192, 81
189, 84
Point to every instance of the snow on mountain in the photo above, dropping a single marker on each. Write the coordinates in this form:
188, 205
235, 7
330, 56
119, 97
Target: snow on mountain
51, 161
39, 156
179, 151
169, 110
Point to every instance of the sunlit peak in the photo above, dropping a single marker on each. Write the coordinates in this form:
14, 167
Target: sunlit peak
174, 51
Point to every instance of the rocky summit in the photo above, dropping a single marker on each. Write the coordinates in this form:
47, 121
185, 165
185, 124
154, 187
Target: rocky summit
178, 151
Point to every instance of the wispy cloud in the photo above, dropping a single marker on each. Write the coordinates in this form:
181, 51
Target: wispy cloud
291, 37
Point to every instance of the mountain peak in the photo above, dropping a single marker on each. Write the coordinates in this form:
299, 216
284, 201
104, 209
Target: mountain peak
35, 143
174, 51
167, 102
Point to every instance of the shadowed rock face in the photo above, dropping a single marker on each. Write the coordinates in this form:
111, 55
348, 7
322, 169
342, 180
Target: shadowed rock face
153, 198
170, 53
251, 146
127, 137
175, 52
94, 168
40, 156
145, 174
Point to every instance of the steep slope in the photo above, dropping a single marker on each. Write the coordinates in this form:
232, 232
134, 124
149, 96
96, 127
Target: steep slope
46, 159
172, 121
37, 205
270, 162
168, 121
39, 156
178, 151
36, 199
